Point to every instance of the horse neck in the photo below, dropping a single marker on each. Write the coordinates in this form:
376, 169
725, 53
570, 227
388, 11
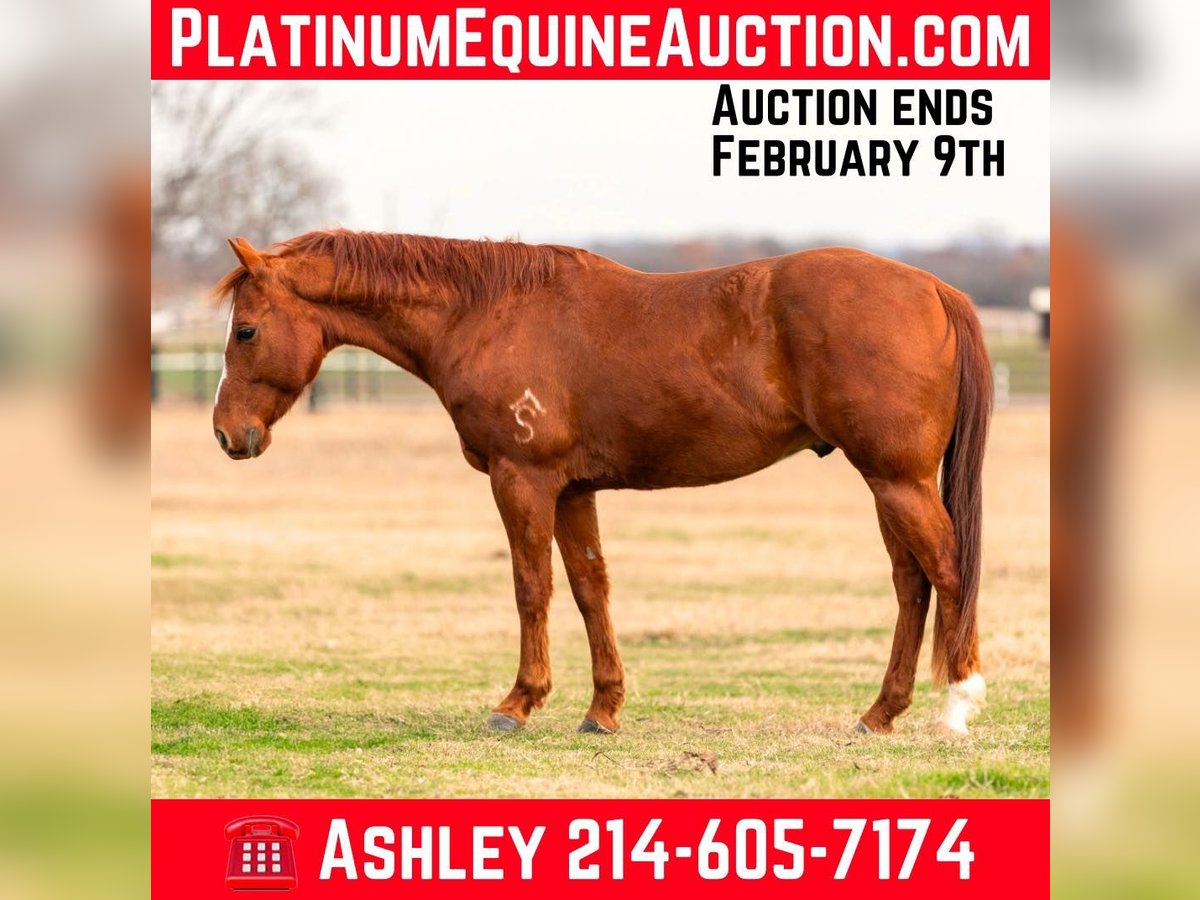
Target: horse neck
404, 334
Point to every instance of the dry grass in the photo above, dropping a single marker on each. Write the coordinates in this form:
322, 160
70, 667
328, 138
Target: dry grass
335, 618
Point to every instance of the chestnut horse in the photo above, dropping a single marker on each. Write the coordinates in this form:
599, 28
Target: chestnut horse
566, 373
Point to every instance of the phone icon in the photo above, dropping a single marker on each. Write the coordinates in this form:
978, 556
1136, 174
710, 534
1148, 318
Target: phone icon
261, 857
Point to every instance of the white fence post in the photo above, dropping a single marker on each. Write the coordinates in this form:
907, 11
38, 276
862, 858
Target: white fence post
1000, 380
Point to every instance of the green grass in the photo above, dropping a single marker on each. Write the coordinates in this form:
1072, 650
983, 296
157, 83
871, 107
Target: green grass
336, 619
347, 726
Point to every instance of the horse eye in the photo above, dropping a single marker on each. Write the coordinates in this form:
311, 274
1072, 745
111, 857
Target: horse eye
246, 333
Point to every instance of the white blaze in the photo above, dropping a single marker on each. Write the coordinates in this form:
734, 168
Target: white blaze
228, 335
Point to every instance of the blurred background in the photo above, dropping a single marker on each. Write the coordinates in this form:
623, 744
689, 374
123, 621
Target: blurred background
1125, 264
77, 307
74, 579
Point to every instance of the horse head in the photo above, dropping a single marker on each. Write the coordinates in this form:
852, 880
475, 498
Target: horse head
273, 350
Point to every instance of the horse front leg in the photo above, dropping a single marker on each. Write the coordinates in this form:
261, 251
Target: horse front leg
526, 502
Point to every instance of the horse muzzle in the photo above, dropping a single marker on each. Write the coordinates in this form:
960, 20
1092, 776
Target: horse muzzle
253, 442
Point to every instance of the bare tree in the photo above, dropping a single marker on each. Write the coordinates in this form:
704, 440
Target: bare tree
227, 161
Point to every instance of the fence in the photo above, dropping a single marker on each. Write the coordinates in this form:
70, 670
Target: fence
348, 375
1021, 364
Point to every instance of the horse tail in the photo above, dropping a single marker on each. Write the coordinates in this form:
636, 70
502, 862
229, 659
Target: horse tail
962, 482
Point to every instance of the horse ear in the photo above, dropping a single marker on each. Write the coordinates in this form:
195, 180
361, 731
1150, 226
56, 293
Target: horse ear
250, 258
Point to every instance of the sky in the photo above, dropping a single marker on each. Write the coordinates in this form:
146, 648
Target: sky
558, 161
579, 162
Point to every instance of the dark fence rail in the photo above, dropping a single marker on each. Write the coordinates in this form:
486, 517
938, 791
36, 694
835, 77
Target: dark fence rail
349, 375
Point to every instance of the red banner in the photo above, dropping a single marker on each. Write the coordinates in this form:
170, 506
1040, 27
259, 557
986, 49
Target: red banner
576, 39
709, 848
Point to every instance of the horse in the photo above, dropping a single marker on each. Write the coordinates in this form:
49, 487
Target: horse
566, 373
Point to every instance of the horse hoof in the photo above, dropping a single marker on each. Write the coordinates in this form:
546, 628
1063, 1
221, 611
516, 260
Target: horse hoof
587, 726
861, 727
501, 722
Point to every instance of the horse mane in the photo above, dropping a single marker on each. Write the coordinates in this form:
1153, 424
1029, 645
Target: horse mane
230, 282
380, 265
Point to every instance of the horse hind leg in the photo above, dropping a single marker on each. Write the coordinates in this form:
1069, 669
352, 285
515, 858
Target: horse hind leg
912, 596
918, 519
578, 534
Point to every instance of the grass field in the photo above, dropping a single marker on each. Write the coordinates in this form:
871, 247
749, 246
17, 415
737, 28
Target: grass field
336, 619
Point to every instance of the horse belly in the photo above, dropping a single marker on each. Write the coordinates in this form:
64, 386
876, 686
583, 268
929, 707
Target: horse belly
709, 452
